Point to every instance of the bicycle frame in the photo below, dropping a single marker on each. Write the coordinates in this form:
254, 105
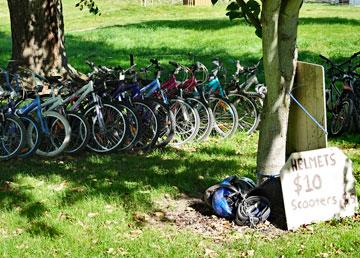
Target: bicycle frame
35, 106
170, 87
84, 92
124, 87
80, 95
151, 88
214, 86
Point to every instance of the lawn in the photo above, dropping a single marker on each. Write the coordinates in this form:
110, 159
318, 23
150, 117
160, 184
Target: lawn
106, 205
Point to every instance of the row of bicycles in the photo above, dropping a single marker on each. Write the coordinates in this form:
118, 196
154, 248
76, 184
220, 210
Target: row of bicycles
343, 95
125, 109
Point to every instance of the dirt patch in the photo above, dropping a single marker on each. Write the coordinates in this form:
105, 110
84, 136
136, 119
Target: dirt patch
187, 213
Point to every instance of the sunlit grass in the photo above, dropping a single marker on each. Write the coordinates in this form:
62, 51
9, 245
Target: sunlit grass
83, 206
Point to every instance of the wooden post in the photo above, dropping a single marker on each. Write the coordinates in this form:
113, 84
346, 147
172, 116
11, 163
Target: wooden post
309, 89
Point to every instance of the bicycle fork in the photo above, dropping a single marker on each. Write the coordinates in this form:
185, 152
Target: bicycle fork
99, 114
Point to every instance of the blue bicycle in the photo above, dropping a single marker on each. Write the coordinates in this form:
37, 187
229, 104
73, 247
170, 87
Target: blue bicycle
54, 128
12, 131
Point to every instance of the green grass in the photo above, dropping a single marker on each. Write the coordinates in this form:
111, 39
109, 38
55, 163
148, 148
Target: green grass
83, 206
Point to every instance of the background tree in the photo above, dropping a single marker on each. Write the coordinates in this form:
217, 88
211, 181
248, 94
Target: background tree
276, 23
37, 30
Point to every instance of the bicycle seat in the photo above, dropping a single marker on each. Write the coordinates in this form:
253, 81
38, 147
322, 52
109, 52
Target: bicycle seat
53, 79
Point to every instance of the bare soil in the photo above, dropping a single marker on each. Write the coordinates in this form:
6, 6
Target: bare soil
187, 213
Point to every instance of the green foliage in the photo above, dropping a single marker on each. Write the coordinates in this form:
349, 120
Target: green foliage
250, 10
90, 5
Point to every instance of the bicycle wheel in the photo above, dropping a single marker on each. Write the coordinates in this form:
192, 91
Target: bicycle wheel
166, 120
206, 118
341, 119
187, 122
80, 132
108, 127
133, 127
12, 136
33, 134
247, 112
225, 116
149, 125
55, 141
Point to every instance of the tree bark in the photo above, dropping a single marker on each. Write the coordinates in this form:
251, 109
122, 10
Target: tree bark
279, 27
37, 29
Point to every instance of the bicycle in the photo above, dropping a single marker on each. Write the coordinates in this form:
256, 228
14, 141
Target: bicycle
187, 118
12, 131
248, 102
54, 127
119, 83
225, 114
342, 105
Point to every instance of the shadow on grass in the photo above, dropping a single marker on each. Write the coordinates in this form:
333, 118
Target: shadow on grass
223, 23
188, 24
108, 55
5, 48
125, 178
328, 21
308, 56
19, 197
347, 140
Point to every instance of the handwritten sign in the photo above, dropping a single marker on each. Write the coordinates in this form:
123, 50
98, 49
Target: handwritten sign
318, 186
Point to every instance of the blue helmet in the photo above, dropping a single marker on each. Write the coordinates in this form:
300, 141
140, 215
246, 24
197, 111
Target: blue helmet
241, 185
223, 202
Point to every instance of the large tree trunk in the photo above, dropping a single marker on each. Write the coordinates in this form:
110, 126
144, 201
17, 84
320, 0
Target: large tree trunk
37, 29
279, 27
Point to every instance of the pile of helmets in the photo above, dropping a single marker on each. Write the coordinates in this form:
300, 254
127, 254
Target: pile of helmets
232, 199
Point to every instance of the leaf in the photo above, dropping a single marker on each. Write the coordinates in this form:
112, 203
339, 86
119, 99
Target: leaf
214, 1
232, 6
210, 253
254, 7
250, 253
92, 214
235, 15
110, 250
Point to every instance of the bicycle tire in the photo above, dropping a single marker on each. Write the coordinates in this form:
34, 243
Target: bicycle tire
206, 118
115, 128
150, 127
80, 132
33, 132
341, 120
187, 122
247, 112
218, 103
47, 141
166, 123
11, 128
133, 129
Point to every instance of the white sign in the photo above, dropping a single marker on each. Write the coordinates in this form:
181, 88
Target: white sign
318, 185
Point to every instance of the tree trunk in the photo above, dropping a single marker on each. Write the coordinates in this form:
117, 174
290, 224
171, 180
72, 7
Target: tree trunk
37, 29
279, 27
